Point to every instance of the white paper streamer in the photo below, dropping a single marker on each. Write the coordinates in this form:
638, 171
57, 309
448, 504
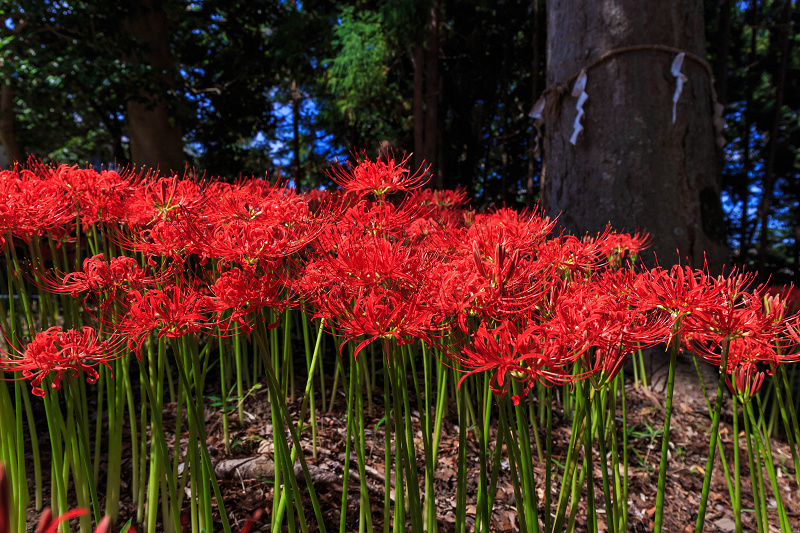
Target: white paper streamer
579, 92
538, 108
681, 78
537, 113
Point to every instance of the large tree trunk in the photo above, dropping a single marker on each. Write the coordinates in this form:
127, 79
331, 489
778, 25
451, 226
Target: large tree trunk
631, 166
153, 129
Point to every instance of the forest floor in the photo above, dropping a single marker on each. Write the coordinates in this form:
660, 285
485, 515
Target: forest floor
246, 470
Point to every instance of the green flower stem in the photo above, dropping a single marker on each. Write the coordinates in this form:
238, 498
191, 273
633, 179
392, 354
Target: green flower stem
158, 446
737, 473
756, 477
528, 479
461, 483
207, 469
482, 428
601, 440
365, 520
513, 460
408, 448
787, 425
548, 473
712, 445
624, 517
424, 405
281, 404
662, 467
387, 453
21, 480
721, 449
311, 362
576, 437
591, 506
348, 440
763, 441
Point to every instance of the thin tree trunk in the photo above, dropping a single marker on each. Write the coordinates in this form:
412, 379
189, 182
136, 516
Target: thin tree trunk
721, 69
155, 136
8, 135
296, 133
432, 96
744, 223
769, 167
631, 166
419, 110
530, 196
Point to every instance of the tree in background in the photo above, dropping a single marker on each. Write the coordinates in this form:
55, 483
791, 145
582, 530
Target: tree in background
634, 164
282, 88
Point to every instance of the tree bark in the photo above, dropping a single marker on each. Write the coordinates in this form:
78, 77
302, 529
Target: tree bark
155, 136
632, 167
8, 135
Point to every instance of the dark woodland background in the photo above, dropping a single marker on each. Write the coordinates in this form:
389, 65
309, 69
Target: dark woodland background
277, 88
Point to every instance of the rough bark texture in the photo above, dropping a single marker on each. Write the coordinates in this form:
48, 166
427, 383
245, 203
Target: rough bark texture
632, 167
155, 135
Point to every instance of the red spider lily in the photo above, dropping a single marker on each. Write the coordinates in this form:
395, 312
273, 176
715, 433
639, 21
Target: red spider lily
30, 206
441, 199
172, 312
600, 319
57, 351
522, 231
380, 315
676, 294
162, 199
620, 248
253, 222
95, 194
525, 356
101, 278
244, 293
379, 177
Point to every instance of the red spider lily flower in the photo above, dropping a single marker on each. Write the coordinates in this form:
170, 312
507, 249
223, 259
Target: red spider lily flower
623, 248
30, 206
172, 312
58, 351
599, 318
523, 355
379, 315
161, 199
243, 294
676, 294
379, 177
101, 278
253, 222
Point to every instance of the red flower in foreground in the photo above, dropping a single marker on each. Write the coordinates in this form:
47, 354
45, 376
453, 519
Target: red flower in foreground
524, 356
379, 177
172, 312
55, 350
47, 523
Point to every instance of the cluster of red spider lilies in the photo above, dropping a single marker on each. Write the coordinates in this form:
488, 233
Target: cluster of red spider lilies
180, 271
